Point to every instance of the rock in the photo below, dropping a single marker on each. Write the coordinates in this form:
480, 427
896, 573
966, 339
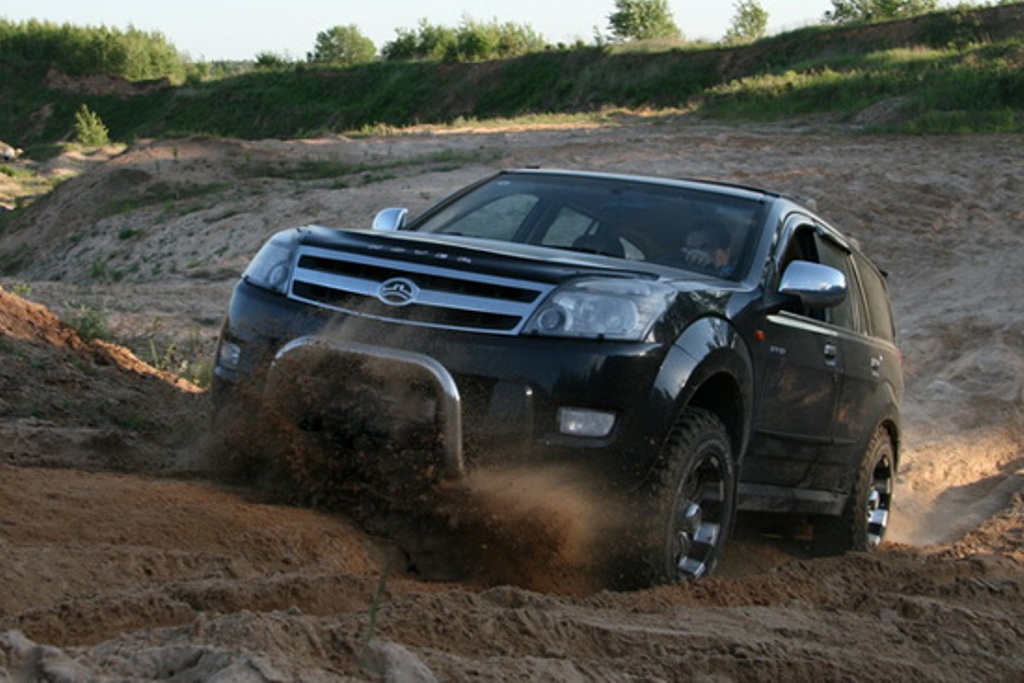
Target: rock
396, 664
9, 153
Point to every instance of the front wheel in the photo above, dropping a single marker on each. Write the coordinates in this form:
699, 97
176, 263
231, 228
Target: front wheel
865, 517
693, 500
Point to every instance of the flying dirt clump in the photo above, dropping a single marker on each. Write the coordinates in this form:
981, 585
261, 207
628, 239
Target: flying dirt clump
544, 528
350, 433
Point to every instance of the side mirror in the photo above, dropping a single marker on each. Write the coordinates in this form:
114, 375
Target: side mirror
390, 220
816, 285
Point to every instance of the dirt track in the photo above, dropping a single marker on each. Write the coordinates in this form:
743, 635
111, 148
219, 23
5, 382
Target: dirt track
124, 558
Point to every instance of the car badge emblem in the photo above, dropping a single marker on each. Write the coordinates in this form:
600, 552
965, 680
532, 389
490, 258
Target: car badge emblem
398, 291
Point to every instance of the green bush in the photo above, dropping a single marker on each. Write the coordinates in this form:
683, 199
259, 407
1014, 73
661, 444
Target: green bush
88, 322
270, 61
89, 128
472, 41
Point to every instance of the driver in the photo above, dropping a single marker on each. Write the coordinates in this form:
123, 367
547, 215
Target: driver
708, 246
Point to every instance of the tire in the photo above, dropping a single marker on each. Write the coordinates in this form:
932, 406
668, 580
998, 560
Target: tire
865, 518
692, 501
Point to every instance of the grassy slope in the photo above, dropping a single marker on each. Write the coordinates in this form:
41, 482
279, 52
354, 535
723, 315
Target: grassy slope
956, 69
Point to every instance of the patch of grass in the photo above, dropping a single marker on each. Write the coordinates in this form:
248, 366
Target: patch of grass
11, 262
133, 421
368, 171
82, 365
164, 193
12, 172
948, 90
372, 178
962, 122
189, 358
27, 186
89, 322
224, 215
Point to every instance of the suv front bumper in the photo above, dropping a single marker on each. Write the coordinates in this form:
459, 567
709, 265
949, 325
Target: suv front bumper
499, 399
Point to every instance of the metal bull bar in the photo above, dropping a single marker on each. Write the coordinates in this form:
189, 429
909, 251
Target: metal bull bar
448, 391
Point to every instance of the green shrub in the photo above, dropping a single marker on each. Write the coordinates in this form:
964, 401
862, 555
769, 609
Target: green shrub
90, 323
472, 41
89, 128
270, 61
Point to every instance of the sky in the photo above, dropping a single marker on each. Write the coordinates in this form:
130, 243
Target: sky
209, 30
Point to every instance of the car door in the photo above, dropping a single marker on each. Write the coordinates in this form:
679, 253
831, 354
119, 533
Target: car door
858, 380
801, 366
872, 381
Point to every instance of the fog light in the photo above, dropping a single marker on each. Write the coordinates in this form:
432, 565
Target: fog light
582, 422
229, 355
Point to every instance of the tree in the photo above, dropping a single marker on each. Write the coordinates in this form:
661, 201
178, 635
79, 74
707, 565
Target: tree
749, 23
848, 11
345, 45
429, 41
477, 41
89, 128
642, 20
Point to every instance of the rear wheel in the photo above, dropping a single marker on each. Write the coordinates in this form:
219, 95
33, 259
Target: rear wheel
693, 500
865, 518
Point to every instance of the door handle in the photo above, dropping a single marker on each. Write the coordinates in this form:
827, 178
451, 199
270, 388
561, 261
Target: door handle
876, 363
831, 352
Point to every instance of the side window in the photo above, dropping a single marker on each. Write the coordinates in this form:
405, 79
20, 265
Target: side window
848, 313
801, 247
805, 244
876, 294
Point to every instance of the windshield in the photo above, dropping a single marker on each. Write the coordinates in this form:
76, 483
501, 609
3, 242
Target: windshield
704, 231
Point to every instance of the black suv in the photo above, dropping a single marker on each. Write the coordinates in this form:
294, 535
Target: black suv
701, 347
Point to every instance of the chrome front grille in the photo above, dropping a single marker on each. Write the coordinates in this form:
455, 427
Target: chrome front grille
414, 293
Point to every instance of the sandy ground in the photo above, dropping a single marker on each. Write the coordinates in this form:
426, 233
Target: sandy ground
123, 556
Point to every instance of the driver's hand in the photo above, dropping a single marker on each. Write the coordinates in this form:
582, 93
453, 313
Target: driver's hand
697, 257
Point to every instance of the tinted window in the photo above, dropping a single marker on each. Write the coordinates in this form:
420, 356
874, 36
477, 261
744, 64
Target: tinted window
877, 299
801, 247
847, 314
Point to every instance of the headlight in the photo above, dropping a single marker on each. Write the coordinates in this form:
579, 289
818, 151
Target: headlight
271, 268
602, 308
